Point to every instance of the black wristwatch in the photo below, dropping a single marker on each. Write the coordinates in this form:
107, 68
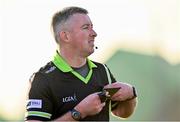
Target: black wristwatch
134, 92
76, 115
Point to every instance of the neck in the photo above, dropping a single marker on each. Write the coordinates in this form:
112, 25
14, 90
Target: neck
72, 58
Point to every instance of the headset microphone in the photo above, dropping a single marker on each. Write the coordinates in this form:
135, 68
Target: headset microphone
96, 47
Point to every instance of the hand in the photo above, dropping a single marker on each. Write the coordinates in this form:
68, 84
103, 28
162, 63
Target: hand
126, 91
90, 105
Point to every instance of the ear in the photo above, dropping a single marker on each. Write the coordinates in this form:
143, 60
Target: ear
64, 36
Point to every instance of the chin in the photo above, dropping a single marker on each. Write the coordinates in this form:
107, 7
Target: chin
90, 52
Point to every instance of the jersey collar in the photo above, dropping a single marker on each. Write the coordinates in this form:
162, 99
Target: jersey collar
61, 64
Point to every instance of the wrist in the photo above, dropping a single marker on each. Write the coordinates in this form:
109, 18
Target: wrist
76, 115
82, 114
134, 93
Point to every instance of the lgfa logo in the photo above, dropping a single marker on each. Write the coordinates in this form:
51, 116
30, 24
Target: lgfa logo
69, 99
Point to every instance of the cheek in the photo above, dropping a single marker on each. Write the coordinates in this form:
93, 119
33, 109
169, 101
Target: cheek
82, 34
82, 38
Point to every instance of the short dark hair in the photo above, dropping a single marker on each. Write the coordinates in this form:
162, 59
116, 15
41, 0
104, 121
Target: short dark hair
62, 16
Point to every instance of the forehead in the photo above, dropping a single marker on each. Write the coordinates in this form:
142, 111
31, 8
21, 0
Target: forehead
79, 19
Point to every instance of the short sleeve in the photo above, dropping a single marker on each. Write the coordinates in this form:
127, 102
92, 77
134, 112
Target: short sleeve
39, 105
111, 75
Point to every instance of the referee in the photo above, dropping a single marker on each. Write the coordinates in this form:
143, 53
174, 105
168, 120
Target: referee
68, 87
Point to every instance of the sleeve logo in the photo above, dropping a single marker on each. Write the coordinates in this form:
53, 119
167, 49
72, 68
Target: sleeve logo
34, 103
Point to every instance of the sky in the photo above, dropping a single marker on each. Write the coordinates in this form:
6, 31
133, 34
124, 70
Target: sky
26, 43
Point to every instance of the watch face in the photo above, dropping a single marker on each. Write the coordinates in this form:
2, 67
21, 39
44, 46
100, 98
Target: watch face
76, 115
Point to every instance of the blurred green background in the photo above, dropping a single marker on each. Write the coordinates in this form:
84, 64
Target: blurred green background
157, 83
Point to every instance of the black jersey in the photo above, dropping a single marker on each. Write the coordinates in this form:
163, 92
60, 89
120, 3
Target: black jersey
56, 89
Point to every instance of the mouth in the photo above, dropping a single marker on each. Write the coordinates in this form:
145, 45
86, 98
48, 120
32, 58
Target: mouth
91, 43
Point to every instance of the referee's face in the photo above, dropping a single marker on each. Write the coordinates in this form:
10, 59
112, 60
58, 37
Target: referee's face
82, 35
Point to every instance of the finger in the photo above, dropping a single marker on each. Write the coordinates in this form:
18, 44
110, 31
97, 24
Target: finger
117, 94
107, 94
101, 106
117, 97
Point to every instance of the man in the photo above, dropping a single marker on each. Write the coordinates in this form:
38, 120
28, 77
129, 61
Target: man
69, 86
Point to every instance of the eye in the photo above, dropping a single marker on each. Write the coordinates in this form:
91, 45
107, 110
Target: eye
85, 27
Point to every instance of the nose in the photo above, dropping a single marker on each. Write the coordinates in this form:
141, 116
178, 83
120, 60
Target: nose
93, 33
